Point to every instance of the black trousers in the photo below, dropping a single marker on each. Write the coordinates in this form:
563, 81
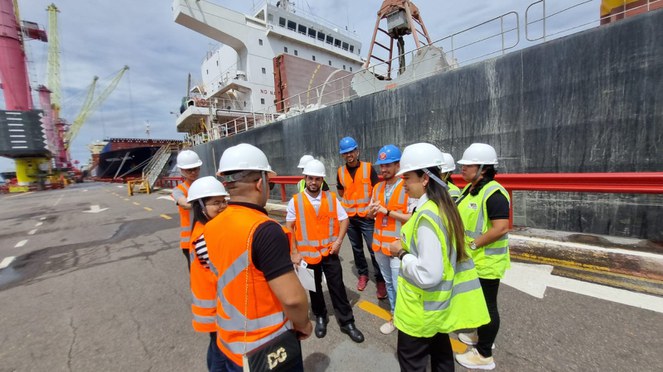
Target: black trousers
331, 266
488, 332
414, 352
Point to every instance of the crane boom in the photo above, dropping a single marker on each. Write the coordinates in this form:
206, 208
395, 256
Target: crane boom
54, 60
90, 105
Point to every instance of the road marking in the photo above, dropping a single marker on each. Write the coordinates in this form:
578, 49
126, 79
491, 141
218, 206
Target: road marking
21, 243
166, 197
58, 201
533, 280
136, 203
120, 186
42, 219
166, 216
32, 232
147, 208
38, 224
582, 246
94, 208
126, 199
373, 309
6, 262
21, 194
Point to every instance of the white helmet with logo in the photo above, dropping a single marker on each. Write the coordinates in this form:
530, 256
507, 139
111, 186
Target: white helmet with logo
480, 154
314, 168
188, 159
303, 160
449, 163
205, 187
420, 156
244, 157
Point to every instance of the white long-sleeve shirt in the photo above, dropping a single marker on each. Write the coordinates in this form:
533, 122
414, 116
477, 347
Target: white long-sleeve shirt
315, 202
426, 269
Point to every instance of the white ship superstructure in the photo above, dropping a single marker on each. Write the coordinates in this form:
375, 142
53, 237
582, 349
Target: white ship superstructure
238, 77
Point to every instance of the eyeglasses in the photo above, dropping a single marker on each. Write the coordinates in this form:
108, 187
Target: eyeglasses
217, 203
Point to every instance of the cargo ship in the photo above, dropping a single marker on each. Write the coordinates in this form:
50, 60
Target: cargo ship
126, 157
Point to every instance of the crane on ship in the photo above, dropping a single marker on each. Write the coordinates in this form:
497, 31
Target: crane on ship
402, 19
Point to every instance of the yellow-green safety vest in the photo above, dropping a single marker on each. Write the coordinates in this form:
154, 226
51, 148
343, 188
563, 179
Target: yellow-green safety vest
457, 302
491, 260
454, 191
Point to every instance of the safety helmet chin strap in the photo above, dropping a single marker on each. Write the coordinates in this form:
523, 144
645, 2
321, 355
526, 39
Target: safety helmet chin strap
202, 207
265, 185
476, 178
436, 179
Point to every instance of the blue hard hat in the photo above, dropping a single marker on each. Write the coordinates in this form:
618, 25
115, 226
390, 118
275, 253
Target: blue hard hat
347, 144
388, 154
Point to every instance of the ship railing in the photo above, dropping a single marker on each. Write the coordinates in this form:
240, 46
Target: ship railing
613, 183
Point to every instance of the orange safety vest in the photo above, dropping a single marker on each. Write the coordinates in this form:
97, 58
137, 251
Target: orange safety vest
203, 289
315, 232
248, 314
185, 218
357, 191
388, 229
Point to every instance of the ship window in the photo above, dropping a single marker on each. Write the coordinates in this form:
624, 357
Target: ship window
217, 62
285, 49
344, 67
264, 70
206, 72
281, 21
262, 101
352, 48
302, 29
330, 39
350, 68
296, 52
313, 58
311, 33
337, 43
321, 36
292, 25
330, 62
259, 41
345, 46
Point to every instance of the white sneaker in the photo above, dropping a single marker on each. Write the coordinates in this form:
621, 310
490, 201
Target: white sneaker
388, 327
473, 360
470, 339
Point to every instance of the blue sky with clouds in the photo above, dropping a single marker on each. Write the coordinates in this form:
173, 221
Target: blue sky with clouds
99, 37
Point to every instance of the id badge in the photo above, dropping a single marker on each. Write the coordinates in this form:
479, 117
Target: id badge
384, 220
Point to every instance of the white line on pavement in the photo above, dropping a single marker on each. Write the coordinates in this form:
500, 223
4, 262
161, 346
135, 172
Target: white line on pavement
42, 218
32, 232
6, 262
38, 224
21, 243
58, 201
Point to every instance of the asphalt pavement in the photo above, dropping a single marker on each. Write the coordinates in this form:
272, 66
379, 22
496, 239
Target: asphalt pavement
94, 280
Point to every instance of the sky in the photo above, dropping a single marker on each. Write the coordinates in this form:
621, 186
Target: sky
97, 38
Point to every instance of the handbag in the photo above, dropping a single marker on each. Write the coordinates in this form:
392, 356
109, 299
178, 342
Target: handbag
280, 354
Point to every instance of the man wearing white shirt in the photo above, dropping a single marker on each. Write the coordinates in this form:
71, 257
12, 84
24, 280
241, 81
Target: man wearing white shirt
320, 223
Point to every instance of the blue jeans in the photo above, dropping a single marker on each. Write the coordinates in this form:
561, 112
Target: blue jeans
389, 267
359, 227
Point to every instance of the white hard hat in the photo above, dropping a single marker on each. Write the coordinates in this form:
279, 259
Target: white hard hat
314, 168
188, 159
449, 163
303, 160
205, 187
244, 157
420, 156
479, 153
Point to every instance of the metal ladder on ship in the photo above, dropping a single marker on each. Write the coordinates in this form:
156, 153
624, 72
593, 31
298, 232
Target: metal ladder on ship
152, 171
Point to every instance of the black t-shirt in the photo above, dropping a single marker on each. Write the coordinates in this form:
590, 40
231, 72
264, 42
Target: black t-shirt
353, 171
497, 205
270, 250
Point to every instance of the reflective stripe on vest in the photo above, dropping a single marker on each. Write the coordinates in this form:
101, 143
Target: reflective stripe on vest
185, 219
383, 235
312, 250
356, 195
454, 191
301, 186
203, 289
492, 259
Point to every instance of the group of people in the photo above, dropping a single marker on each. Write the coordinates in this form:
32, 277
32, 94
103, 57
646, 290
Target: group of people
438, 252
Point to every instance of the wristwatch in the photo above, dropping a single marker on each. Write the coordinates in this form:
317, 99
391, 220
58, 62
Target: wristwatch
473, 245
